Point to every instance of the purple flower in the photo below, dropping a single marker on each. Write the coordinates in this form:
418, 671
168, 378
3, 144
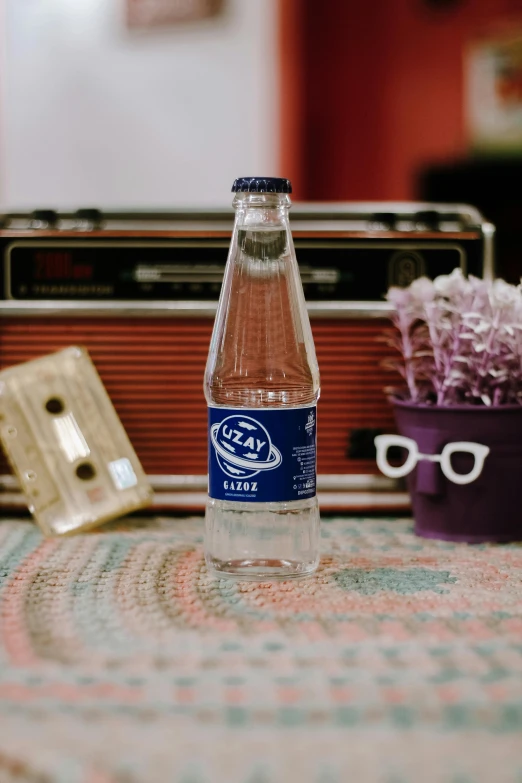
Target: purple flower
423, 290
459, 340
400, 297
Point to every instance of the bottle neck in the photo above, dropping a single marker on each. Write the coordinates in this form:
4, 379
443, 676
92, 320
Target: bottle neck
261, 210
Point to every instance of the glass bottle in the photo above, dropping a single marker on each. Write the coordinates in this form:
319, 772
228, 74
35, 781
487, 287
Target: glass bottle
262, 387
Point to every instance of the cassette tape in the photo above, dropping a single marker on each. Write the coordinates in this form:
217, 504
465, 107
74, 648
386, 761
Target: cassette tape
66, 444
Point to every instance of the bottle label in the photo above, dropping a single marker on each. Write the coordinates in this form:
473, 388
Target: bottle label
262, 455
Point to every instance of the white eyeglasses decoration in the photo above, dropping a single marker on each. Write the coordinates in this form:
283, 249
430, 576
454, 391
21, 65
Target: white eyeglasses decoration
477, 450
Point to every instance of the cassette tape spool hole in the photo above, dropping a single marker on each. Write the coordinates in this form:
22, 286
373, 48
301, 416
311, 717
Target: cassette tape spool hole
54, 406
86, 471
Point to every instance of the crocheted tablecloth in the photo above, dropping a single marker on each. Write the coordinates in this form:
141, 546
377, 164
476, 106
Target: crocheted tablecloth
122, 661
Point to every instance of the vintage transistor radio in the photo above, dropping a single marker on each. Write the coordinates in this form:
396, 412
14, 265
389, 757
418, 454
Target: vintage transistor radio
139, 291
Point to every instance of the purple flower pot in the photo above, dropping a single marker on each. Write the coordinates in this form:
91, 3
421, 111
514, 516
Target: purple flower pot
489, 508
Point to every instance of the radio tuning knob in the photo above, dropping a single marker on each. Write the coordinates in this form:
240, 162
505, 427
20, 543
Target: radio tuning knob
43, 218
88, 219
383, 221
427, 220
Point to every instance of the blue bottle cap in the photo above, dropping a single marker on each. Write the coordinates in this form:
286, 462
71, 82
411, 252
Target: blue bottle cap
262, 185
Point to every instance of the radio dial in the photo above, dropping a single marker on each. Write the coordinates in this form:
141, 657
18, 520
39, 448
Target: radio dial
88, 219
43, 218
428, 220
382, 221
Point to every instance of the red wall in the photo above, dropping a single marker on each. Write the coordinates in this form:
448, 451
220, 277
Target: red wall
380, 91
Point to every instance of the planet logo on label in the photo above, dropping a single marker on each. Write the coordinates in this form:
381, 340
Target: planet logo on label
243, 447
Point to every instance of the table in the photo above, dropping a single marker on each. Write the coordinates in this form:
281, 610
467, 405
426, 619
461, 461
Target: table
122, 661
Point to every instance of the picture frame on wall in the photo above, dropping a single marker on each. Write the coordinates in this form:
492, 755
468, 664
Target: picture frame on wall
494, 91
143, 14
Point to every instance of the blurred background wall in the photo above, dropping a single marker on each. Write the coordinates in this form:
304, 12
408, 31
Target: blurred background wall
352, 100
95, 113
384, 90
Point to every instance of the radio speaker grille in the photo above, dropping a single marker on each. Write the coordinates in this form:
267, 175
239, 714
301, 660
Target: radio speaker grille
153, 371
